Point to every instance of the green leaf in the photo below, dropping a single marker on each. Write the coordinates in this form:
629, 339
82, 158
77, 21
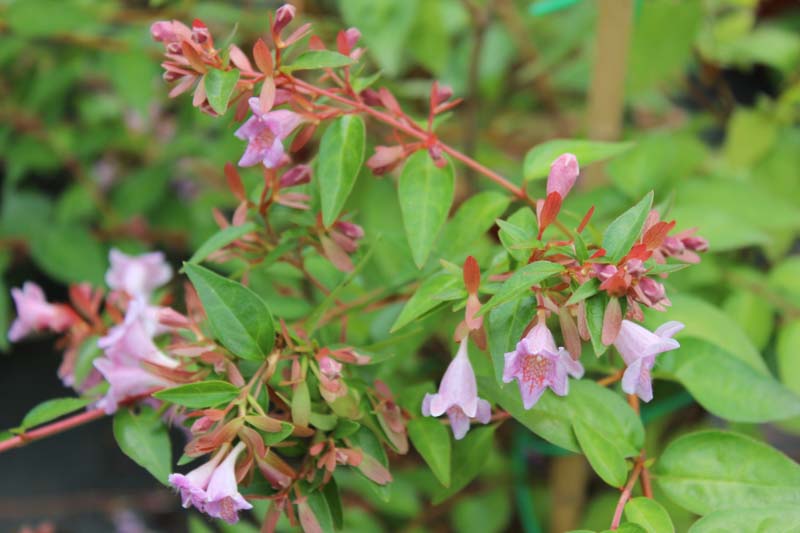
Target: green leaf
270, 439
587, 290
718, 381
625, 229
314, 59
469, 455
552, 416
520, 282
221, 239
602, 454
711, 470
506, 324
301, 404
424, 299
471, 222
69, 254
786, 350
431, 439
595, 311
649, 514
239, 317
143, 437
201, 394
426, 194
766, 519
331, 492
219, 85
52, 409
518, 233
704, 321
540, 157
341, 153
753, 313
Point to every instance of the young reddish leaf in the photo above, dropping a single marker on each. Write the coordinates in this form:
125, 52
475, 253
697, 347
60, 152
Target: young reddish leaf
192, 56
263, 57
586, 218
612, 321
572, 339
472, 275
389, 101
240, 59
266, 98
234, 182
303, 137
550, 209
654, 237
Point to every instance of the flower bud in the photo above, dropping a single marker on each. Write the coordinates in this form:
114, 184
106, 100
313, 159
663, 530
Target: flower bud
283, 16
563, 173
296, 175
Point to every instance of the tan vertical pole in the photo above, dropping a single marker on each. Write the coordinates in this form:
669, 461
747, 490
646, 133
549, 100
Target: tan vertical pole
607, 91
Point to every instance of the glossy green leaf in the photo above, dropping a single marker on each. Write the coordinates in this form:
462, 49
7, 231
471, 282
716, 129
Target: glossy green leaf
506, 324
341, 153
787, 350
704, 321
426, 194
766, 519
539, 158
334, 500
595, 311
239, 317
623, 232
301, 404
143, 437
51, 409
587, 290
521, 282
219, 85
649, 514
221, 239
201, 394
471, 222
424, 299
315, 59
469, 456
718, 380
432, 440
711, 470
602, 454
552, 416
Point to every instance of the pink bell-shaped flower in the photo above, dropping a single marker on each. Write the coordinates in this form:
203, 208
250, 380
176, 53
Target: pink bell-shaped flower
137, 275
34, 313
192, 486
222, 494
639, 347
265, 133
458, 396
537, 364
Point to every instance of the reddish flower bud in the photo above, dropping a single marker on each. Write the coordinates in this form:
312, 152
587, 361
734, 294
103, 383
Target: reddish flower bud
386, 158
695, 243
283, 16
297, 175
440, 93
563, 173
353, 231
654, 290
370, 97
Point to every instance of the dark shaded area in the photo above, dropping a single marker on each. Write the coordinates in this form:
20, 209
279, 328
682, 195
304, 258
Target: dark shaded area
79, 480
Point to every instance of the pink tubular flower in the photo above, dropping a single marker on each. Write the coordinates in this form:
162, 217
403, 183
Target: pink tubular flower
264, 133
639, 348
126, 381
563, 173
137, 275
458, 396
170, 31
222, 494
192, 486
132, 340
34, 313
283, 16
537, 364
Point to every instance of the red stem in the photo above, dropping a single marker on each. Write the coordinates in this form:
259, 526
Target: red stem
51, 429
626, 493
63, 425
419, 134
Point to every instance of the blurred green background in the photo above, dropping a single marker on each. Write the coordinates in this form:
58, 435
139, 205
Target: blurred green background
94, 154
